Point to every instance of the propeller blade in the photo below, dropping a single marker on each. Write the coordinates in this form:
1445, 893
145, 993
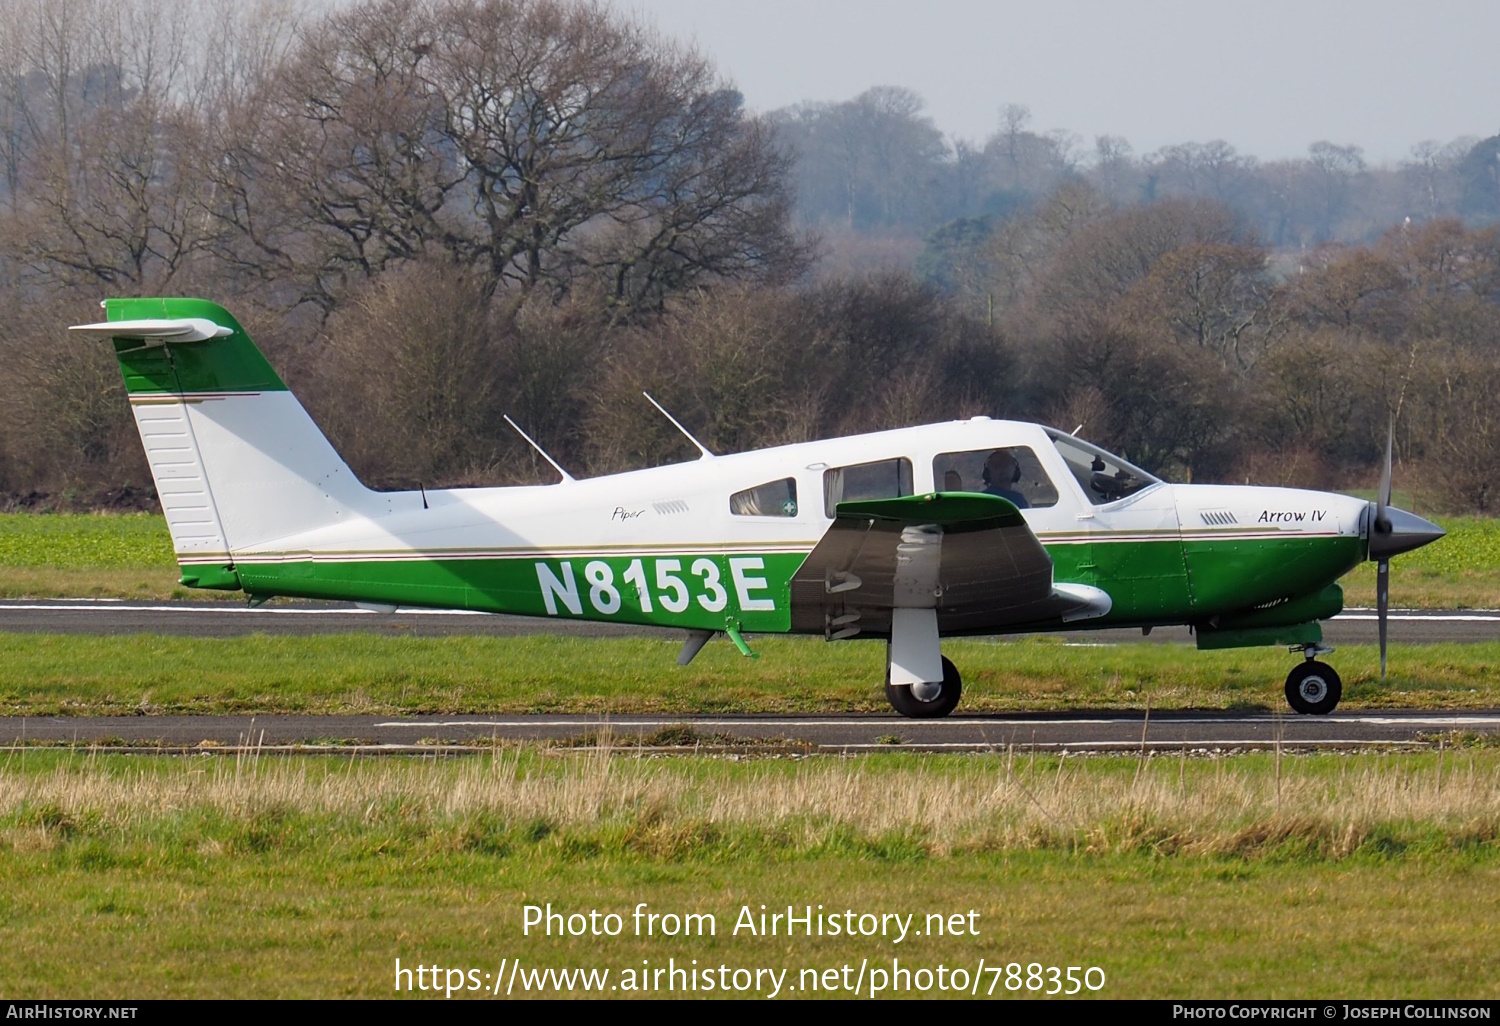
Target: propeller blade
1383, 497
1382, 604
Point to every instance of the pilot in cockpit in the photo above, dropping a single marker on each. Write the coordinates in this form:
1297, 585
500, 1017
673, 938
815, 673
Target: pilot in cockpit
1001, 474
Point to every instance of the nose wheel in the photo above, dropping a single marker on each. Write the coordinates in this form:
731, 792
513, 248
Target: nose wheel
1313, 688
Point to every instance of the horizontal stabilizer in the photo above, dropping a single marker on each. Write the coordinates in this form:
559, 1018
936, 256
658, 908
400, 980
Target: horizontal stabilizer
187, 329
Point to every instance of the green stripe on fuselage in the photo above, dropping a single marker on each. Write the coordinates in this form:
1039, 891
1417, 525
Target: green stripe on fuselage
692, 590
1149, 581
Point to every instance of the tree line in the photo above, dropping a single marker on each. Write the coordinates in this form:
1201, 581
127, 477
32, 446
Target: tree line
876, 176
432, 213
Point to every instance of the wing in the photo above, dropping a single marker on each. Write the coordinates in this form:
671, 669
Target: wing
970, 556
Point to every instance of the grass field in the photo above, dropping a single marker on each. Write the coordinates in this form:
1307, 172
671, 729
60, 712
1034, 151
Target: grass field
130, 556
48, 675
88, 555
1461, 571
1353, 876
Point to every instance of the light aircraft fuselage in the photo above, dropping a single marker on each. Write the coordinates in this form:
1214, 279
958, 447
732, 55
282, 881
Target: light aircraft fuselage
661, 546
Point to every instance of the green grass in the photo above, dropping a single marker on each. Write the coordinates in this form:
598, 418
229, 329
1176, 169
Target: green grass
1459, 571
88, 555
1374, 876
363, 673
84, 541
102, 555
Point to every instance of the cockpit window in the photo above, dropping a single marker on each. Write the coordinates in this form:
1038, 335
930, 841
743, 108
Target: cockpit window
883, 479
772, 499
1013, 473
1104, 478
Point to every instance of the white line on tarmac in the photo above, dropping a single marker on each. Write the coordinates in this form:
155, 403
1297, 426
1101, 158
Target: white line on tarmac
1173, 745
1381, 721
106, 605
780, 724
1473, 617
297, 748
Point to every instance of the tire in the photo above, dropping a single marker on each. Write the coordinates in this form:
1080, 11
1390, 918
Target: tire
1313, 688
902, 700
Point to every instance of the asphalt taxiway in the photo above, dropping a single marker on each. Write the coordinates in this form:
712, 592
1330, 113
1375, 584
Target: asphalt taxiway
1189, 731
230, 619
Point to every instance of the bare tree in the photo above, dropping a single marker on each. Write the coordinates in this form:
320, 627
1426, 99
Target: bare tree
1432, 171
110, 131
540, 142
1215, 298
872, 163
1114, 167
1335, 169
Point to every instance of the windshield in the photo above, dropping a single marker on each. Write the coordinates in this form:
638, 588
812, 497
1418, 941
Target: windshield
1103, 477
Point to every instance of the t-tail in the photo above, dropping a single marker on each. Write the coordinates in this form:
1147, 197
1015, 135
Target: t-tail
236, 460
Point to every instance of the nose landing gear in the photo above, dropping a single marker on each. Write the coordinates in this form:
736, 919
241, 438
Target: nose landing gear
1313, 687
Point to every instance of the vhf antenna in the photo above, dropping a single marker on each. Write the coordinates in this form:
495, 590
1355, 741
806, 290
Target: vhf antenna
685, 433
555, 465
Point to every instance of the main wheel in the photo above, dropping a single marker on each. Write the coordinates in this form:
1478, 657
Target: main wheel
1313, 688
927, 701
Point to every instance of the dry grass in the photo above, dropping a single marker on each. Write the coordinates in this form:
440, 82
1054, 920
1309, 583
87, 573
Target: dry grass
144, 583
1421, 588
1314, 806
1371, 876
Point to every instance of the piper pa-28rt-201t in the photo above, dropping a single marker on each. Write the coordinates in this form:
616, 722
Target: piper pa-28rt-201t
974, 527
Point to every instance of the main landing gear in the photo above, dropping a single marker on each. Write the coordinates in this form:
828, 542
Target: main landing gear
920, 681
927, 700
1313, 687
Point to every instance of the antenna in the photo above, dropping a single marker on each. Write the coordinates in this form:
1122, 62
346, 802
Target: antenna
701, 447
555, 465
1074, 432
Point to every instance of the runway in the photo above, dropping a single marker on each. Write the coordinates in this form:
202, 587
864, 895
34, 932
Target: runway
1111, 732
231, 619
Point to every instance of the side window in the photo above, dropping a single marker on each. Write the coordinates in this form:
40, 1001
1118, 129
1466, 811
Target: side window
883, 479
772, 499
1012, 473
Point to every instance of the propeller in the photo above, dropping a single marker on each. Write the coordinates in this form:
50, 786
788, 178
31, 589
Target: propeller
1392, 532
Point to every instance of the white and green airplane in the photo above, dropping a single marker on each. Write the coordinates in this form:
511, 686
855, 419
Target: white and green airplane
974, 527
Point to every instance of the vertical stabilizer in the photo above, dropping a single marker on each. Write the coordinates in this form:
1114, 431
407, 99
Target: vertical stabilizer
238, 463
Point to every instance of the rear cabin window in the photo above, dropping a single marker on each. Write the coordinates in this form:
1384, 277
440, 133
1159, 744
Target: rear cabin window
883, 479
772, 499
1012, 473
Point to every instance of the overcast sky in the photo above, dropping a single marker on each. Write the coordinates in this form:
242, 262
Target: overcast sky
1270, 76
